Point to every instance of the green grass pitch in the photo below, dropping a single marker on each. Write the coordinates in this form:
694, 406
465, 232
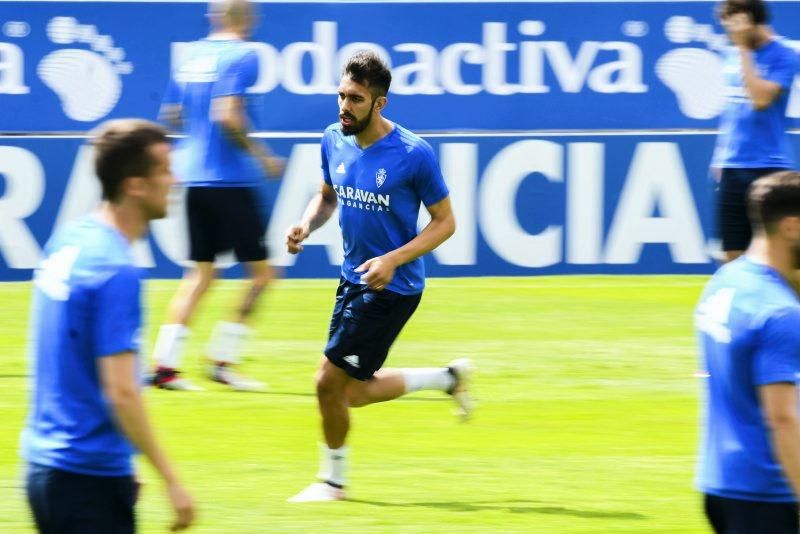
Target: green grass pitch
587, 417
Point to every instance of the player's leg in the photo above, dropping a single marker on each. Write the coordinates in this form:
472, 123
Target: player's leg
247, 232
331, 383
205, 241
389, 384
734, 224
228, 337
333, 409
382, 317
168, 350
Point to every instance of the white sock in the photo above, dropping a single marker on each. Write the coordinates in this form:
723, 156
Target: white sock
333, 464
438, 378
169, 345
225, 344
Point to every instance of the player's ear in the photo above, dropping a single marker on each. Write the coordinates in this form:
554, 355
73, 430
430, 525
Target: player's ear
380, 103
134, 187
790, 228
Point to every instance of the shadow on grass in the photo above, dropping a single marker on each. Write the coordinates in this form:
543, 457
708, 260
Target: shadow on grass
277, 393
513, 507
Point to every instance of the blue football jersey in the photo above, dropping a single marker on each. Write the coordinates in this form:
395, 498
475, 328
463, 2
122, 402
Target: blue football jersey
379, 191
748, 328
85, 306
207, 157
750, 138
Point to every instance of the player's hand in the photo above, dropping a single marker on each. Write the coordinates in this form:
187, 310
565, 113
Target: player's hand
295, 235
378, 272
739, 27
273, 166
183, 506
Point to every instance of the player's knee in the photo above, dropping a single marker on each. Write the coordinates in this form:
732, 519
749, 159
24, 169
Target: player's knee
330, 385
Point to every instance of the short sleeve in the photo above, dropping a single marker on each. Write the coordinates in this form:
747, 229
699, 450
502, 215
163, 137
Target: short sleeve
783, 69
237, 77
118, 314
428, 181
326, 172
778, 356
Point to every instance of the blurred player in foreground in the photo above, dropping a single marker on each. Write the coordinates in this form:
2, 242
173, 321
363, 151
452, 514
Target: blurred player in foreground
380, 172
222, 169
753, 141
87, 415
748, 324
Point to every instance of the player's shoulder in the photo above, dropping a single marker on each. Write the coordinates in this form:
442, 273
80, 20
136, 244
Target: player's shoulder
332, 131
99, 243
782, 49
413, 143
237, 54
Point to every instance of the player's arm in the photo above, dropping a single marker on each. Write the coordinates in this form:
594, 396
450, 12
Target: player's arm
319, 210
380, 270
172, 116
118, 374
779, 403
762, 92
228, 111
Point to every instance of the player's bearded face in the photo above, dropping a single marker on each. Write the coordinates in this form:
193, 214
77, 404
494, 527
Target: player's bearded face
352, 125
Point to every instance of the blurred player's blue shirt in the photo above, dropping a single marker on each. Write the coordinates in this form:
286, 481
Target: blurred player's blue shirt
207, 157
748, 326
751, 139
85, 307
379, 190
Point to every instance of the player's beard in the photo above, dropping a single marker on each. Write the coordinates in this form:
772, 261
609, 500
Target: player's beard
358, 126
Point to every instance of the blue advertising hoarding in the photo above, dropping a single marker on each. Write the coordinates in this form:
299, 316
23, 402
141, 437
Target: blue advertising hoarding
65, 66
560, 204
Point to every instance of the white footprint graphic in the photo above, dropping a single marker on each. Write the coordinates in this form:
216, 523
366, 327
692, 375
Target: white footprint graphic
695, 76
87, 82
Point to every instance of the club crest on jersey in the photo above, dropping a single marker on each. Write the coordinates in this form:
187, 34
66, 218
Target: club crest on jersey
380, 176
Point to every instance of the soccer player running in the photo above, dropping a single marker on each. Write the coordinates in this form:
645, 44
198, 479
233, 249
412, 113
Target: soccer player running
87, 415
378, 173
759, 69
748, 325
222, 170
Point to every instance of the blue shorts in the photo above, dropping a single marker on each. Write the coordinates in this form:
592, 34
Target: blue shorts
734, 224
69, 503
364, 325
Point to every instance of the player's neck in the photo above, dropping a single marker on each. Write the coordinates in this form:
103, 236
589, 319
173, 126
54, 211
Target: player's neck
763, 35
225, 35
125, 218
376, 131
770, 251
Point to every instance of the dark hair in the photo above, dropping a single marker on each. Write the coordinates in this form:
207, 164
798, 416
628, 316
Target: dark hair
772, 198
368, 69
757, 10
122, 151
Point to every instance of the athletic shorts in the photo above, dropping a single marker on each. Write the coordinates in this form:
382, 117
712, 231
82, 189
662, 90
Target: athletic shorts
225, 218
364, 325
69, 503
735, 516
734, 224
